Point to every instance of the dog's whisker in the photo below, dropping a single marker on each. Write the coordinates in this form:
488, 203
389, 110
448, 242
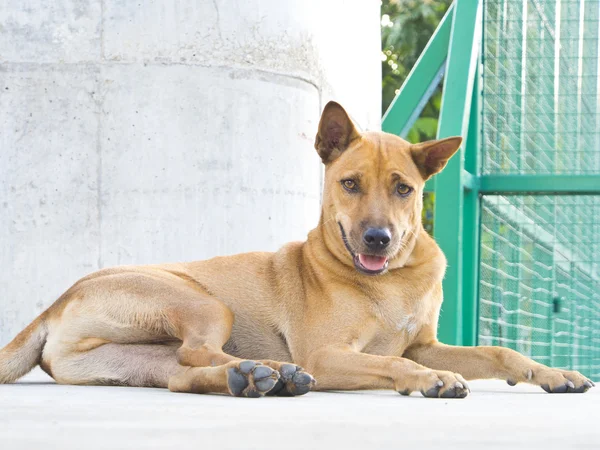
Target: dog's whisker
328, 220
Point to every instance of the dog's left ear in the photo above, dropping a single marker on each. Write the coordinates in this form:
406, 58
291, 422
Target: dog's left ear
336, 132
432, 156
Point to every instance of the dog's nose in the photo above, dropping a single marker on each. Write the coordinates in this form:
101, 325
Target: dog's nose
377, 238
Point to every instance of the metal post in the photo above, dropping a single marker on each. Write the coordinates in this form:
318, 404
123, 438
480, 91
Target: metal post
449, 196
472, 222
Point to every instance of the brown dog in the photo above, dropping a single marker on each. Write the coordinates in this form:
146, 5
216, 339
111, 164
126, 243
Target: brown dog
357, 304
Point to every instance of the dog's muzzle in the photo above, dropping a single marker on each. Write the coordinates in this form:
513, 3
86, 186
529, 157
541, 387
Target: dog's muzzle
364, 263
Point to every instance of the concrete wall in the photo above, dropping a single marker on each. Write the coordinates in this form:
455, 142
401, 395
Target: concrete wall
146, 132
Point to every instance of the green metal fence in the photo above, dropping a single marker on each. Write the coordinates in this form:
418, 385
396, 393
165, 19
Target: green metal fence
520, 204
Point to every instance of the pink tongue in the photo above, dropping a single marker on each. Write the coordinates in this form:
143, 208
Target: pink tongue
372, 262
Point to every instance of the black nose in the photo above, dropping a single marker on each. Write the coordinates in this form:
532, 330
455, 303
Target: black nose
377, 238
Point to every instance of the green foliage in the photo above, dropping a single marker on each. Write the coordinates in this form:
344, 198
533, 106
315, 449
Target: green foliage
406, 26
427, 216
423, 127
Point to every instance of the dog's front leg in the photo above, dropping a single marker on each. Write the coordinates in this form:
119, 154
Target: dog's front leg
496, 362
344, 369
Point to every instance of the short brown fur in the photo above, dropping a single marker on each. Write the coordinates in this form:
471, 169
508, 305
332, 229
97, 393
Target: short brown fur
190, 326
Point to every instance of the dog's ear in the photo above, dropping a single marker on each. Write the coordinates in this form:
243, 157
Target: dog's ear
431, 156
336, 132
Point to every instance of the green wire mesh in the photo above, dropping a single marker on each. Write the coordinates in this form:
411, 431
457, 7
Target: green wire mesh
540, 104
540, 278
540, 255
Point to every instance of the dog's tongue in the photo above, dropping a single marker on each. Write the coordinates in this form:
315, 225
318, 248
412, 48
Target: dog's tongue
372, 262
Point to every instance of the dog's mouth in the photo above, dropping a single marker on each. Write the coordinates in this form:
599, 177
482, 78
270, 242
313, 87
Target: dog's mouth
370, 264
367, 264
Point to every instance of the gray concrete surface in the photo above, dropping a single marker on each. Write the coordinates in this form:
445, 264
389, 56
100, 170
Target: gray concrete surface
147, 132
36, 414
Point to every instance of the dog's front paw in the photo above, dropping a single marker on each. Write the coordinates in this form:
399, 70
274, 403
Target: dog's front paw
437, 384
558, 381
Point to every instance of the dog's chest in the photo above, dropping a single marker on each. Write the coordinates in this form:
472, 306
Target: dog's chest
398, 316
401, 316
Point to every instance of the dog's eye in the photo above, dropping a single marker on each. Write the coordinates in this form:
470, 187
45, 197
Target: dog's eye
403, 189
350, 185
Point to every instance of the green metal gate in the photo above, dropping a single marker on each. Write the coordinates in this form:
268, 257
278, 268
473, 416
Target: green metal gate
520, 204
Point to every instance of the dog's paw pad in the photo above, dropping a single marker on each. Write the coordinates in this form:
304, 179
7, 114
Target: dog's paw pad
434, 391
293, 381
251, 379
560, 389
457, 390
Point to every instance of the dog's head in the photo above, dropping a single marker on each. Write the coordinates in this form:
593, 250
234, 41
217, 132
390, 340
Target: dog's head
373, 191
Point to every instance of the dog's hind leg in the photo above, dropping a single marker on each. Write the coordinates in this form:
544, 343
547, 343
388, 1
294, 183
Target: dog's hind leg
109, 331
146, 365
138, 365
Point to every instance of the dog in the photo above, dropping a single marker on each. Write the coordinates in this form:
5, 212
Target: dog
355, 306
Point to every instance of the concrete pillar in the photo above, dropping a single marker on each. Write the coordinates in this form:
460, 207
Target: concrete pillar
147, 132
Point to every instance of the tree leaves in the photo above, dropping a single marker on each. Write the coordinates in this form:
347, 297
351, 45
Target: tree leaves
407, 26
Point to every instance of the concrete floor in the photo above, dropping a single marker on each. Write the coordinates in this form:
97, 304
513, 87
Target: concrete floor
36, 413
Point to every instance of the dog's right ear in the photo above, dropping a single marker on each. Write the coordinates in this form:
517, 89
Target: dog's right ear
336, 132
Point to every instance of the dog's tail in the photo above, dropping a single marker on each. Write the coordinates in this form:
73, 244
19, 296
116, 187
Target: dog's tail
24, 352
